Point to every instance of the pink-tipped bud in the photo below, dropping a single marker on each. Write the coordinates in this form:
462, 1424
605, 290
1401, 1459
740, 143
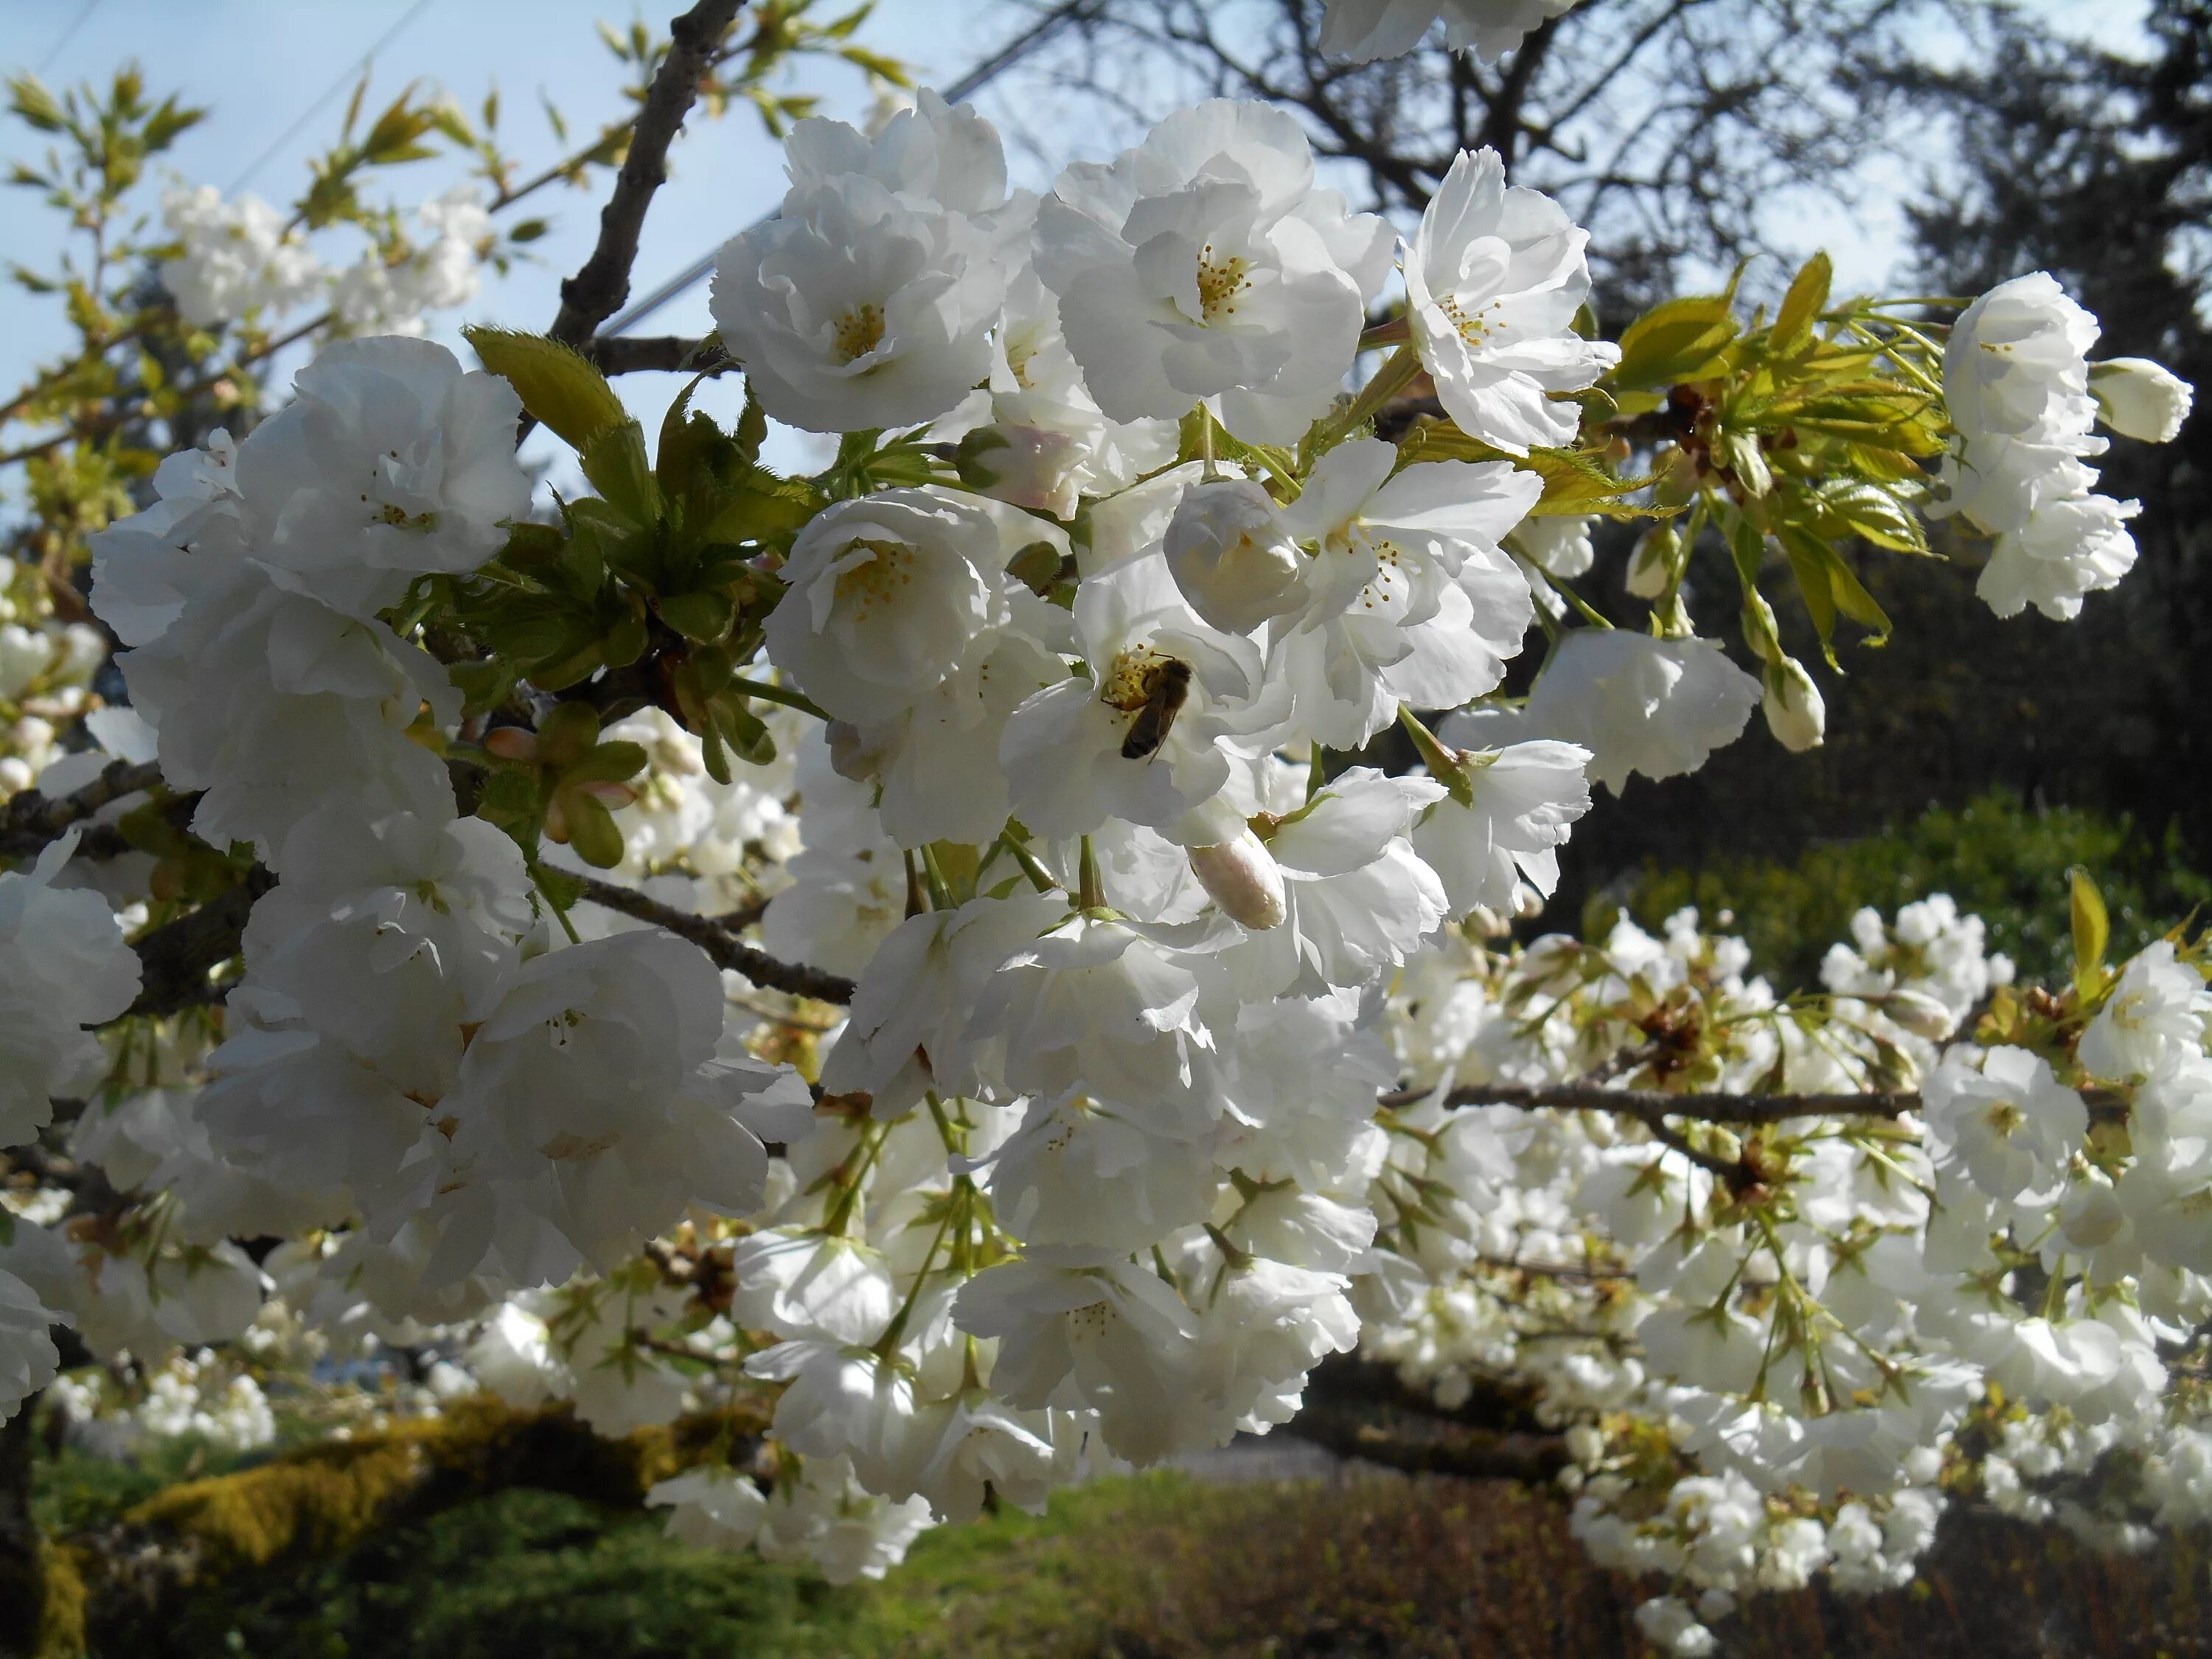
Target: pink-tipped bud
1244, 878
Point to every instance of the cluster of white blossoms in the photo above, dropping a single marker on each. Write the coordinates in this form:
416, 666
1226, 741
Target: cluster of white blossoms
239, 258
2024, 399
1131, 1034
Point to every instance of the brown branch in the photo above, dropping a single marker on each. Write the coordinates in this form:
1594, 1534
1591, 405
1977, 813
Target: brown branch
713, 936
176, 957
1714, 1108
30, 820
597, 291
627, 353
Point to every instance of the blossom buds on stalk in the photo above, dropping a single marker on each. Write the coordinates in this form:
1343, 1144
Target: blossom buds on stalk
1243, 877
2140, 399
1232, 557
1794, 713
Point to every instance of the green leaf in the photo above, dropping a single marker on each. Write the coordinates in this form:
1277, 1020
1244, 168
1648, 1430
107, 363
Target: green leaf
704, 617
608, 762
556, 386
1681, 340
615, 462
563, 889
1869, 511
1801, 306
2092, 932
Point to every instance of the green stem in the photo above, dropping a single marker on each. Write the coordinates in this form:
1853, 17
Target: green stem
789, 699
1040, 877
1397, 371
1090, 890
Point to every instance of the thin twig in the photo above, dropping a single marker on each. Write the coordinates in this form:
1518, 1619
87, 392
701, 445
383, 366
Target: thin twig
712, 936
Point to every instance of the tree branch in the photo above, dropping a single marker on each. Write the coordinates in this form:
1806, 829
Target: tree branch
597, 291
30, 820
627, 353
176, 957
711, 935
1358, 1407
1716, 1108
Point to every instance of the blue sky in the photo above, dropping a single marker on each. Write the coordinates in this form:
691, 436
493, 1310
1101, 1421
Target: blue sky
262, 65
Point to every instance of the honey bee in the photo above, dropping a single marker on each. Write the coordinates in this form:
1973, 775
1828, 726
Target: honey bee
1160, 693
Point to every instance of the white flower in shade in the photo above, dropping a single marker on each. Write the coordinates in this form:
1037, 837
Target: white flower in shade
975, 1444
1067, 750
1638, 704
869, 300
803, 1284
390, 462
908, 1032
1493, 279
1364, 30
1412, 599
1357, 900
600, 1080
1489, 854
822, 1515
2072, 546
1794, 711
2155, 1014
711, 1509
840, 1400
2140, 399
27, 1356
1232, 556
1266, 1326
1113, 1339
889, 594
63, 965
1098, 1004
1670, 1625
2016, 363
276, 706
1203, 265
2010, 1122
1086, 1176
146, 566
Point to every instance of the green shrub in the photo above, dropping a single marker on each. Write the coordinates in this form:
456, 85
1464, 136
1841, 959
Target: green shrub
2003, 861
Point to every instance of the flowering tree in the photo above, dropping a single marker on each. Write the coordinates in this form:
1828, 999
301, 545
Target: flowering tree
906, 980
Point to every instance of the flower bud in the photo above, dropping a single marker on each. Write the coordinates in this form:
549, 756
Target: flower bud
2139, 398
1919, 1013
1026, 466
1244, 878
1586, 1444
1231, 556
1651, 566
1794, 713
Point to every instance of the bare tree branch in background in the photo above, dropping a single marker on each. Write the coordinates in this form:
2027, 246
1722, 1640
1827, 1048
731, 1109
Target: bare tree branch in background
1670, 128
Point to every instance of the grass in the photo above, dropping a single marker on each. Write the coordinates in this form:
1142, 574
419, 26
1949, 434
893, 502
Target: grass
1155, 1566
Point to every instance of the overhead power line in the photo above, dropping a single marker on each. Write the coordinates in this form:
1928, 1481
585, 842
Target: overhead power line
323, 98
69, 34
977, 77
